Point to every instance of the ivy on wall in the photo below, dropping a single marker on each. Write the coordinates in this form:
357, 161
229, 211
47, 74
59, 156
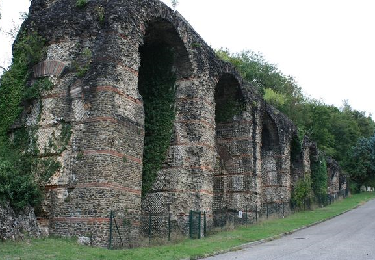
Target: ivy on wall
225, 111
157, 87
319, 178
20, 175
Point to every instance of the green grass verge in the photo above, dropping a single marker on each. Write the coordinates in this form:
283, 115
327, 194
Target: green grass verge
57, 248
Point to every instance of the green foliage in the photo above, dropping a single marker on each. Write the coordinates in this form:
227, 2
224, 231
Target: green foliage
196, 45
36, 89
319, 178
274, 98
361, 162
302, 192
81, 3
226, 110
66, 133
82, 65
18, 186
28, 49
46, 168
156, 85
17, 154
100, 13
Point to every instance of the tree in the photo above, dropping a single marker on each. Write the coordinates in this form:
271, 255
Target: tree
361, 162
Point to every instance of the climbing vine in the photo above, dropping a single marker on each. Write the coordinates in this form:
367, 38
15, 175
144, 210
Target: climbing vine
156, 85
225, 111
319, 178
18, 151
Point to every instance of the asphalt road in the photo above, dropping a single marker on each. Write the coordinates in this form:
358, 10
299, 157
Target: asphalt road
349, 236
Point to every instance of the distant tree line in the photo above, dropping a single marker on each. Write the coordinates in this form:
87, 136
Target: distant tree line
343, 133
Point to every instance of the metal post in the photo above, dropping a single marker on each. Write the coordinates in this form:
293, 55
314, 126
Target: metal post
267, 209
110, 229
190, 223
169, 226
246, 215
256, 212
149, 228
283, 210
204, 224
199, 225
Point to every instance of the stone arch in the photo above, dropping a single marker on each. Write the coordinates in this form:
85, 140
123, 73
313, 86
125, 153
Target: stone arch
271, 161
162, 33
163, 61
234, 163
228, 99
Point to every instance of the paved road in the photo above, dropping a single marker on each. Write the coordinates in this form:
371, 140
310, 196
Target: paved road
349, 236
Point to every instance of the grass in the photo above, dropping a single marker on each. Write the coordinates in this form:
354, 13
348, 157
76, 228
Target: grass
58, 248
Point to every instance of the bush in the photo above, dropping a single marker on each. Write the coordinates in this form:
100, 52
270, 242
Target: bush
302, 192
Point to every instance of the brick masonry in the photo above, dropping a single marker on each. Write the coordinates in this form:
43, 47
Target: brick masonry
94, 66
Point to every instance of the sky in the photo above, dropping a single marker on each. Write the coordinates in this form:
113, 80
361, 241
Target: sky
327, 46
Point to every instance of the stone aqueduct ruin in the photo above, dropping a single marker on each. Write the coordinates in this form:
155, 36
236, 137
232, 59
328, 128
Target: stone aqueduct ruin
237, 164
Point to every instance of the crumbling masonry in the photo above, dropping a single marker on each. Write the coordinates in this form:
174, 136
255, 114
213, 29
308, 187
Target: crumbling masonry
94, 58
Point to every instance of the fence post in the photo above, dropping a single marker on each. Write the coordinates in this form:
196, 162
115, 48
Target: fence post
169, 224
283, 210
267, 209
199, 224
110, 229
149, 228
204, 224
256, 212
190, 223
246, 215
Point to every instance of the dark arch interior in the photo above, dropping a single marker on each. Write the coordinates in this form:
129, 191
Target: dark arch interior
164, 59
270, 138
162, 33
228, 98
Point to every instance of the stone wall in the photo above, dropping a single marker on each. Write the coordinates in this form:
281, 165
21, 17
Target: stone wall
18, 225
94, 59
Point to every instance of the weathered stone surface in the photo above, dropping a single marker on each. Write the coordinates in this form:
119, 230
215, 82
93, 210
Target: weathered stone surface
211, 166
18, 225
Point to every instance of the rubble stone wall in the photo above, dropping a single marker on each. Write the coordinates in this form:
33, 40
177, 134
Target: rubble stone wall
93, 57
17, 225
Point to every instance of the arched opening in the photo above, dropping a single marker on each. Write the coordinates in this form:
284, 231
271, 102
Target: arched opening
229, 100
298, 169
271, 164
232, 165
164, 60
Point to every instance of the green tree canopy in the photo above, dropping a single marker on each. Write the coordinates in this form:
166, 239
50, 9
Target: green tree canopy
361, 162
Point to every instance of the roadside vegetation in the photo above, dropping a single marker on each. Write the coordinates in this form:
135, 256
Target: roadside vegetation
58, 248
